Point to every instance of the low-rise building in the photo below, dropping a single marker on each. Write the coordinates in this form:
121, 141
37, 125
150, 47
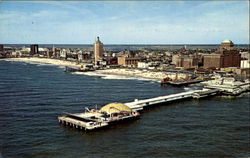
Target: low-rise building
63, 54
128, 61
15, 54
245, 63
143, 65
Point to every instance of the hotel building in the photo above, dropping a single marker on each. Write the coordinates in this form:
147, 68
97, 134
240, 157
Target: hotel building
226, 56
98, 50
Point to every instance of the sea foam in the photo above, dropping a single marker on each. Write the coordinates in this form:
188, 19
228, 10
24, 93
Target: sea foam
115, 76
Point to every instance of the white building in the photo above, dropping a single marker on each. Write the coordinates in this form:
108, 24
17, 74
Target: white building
63, 53
15, 53
245, 63
142, 65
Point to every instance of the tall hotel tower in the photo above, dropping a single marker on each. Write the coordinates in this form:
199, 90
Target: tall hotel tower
98, 50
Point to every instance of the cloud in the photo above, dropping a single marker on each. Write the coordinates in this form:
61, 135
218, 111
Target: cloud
126, 22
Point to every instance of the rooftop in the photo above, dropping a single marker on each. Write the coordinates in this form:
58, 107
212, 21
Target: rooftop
227, 41
115, 108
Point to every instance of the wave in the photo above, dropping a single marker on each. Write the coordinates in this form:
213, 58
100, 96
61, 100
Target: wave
24, 62
88, 74
13, 61
115, 76
44, 64
187, 88
38, 63
61, 67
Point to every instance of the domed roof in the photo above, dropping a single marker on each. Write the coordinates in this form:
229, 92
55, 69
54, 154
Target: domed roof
227, 41
115, 108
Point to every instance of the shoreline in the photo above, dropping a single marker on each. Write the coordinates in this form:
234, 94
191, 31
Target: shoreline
124, 72
56, 62
158, 76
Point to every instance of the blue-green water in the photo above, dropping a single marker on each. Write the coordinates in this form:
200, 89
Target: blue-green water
33, 95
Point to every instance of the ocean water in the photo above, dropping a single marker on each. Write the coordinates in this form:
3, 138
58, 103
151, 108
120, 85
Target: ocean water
33, 95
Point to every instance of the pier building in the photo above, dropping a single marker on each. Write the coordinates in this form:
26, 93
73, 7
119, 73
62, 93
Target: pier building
99, 118
228, 85
115, 108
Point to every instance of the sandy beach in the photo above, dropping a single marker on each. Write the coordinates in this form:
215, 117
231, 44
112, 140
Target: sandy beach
118, 71
134, 73
46, 61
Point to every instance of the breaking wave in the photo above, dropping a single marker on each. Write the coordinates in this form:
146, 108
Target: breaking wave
115, 76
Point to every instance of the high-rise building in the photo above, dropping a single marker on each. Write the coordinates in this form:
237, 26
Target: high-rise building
1, 47
227, 56
53, 48
185, 61
33, 49
98, 50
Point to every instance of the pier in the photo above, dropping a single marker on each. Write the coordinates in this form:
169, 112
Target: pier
99, 118
140, 104
116, 112
81, 121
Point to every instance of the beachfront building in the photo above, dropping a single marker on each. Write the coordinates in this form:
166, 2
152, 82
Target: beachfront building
227, 56
143, 65
44, 52
185, 61
34, 49
63, 54
15, 54
128, 61
245, 63
24, 52
1, 47
98, 50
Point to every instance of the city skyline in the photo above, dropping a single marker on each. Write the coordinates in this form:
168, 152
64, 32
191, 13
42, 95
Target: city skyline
124, 22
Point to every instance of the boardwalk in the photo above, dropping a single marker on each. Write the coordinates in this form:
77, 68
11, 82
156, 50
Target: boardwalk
140, 104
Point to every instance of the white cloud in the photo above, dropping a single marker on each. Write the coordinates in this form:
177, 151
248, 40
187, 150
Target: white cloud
71, 22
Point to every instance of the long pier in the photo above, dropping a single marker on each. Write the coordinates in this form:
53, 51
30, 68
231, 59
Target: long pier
140, 104
95, 119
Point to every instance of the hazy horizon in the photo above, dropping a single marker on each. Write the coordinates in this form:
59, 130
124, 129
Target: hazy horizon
116, 44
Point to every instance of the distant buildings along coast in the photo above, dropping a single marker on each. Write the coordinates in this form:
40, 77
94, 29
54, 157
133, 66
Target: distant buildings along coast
152, 58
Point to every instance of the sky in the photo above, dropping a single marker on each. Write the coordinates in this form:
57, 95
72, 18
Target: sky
124, 22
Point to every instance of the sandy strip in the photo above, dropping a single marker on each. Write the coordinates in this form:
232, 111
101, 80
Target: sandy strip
46, 61
120, 71
135, 73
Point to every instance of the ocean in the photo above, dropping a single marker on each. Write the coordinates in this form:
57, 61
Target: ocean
33, 95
